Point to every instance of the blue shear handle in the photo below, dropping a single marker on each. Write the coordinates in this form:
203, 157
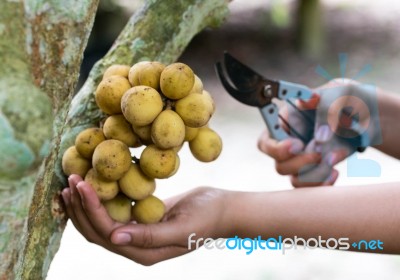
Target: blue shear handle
271, 118
290, 90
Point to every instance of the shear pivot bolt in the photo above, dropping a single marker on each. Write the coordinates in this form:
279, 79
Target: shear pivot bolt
267, 91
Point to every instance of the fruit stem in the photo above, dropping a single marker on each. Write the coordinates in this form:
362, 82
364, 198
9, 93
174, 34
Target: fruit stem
169, 104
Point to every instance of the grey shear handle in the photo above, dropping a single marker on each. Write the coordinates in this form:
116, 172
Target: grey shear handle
270, 114
290, 90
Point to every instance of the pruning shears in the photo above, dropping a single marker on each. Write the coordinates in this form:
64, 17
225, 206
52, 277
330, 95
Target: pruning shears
252, 89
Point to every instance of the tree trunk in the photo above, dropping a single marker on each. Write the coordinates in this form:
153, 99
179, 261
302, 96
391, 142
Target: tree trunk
40, 58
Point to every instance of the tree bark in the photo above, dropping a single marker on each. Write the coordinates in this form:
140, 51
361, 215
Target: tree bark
42, 54
41, 51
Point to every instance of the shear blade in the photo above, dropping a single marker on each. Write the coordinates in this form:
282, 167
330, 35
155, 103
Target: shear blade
243, 77
246, 96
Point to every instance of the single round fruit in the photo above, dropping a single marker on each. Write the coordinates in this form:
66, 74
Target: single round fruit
168, 130
190, 133
87, 140
116, 127
208, 95
135, 184
109, 93
119, 208
195, 110
111, 159
144, 133
149, 210
177, 164
148, 74
206, 146
134, 71
176, 80
116, 70
197, 86
73, 163
105, 190
141, 105
157, 163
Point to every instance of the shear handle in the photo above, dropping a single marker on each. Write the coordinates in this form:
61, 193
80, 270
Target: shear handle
289, 90
270, 114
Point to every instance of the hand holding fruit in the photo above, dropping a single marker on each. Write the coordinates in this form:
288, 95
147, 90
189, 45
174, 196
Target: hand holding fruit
202, 211
148, 104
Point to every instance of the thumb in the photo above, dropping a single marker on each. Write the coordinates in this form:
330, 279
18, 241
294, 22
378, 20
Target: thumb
161, 234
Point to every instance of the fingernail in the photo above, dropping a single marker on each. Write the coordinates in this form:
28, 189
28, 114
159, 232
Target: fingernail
318, 148
121, 238
79, 188
331, 159
332, 177
63, 195
323, 133
296, 148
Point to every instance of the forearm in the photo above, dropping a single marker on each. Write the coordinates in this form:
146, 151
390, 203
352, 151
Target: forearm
389, 117
358, 213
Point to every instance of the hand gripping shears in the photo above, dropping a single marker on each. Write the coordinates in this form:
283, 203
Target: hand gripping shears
250, 88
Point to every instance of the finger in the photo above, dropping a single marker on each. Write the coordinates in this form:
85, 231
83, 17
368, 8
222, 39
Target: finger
95, 211
329, 181
332, 178
81, 221
313, 174
336, 156
323, 134
293, 165
151, 256
66, 195
75, 202
282, 150
74, 179
157, 235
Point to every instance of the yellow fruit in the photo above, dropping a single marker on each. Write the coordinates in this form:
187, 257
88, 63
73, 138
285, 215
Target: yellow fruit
144, 133
116, 70
109, 93
73, 163
206, 146
197, 86
168, 130
119, 208
190, 133
134, 71
141, 105
148, 74
177, 148
149, 210
87, 140
157, 163
208, 95
177, 164
135, 184
176, 80
111, 159
105, 190
195, 110
116, 127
